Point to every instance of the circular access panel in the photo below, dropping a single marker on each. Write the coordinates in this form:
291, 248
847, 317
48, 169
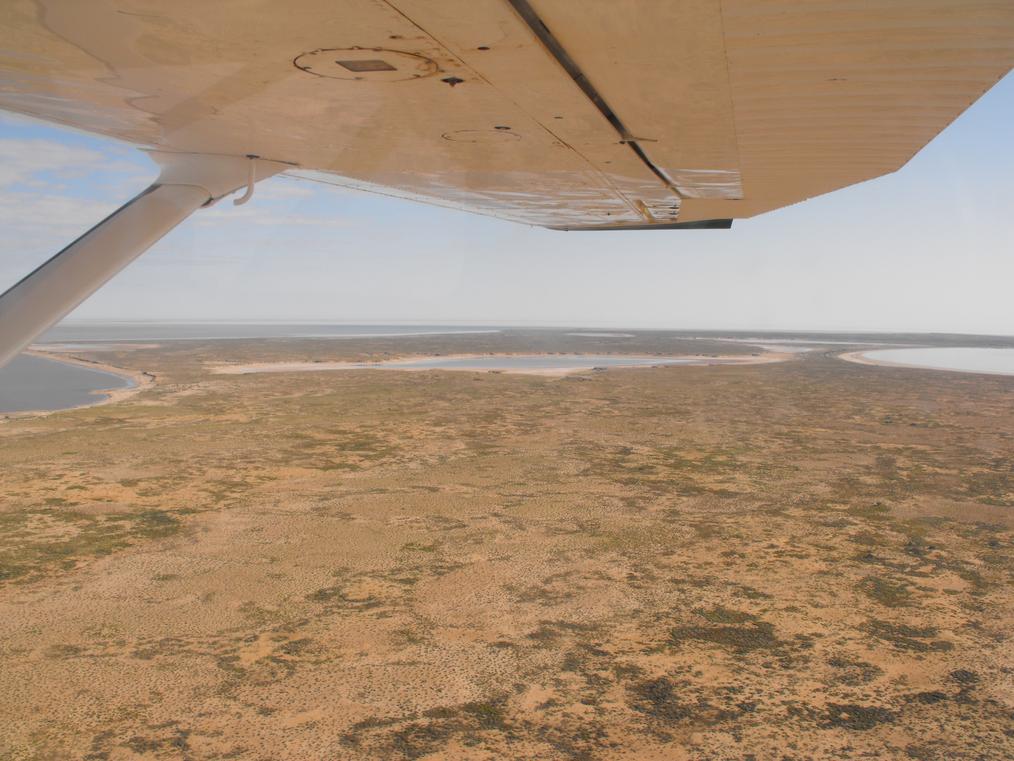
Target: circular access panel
366, 64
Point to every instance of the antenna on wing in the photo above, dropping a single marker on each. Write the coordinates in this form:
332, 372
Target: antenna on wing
250, 182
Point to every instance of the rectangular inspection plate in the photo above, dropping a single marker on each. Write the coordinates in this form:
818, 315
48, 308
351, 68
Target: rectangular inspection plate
370, 64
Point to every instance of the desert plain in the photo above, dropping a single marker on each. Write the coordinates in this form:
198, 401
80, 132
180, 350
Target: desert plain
805, 559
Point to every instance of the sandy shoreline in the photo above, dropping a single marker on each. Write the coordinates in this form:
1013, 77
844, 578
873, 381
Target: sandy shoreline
859, 358
395, 364
139, 378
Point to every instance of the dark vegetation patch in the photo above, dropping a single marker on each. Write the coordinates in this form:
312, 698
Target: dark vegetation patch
543, 594
964, 677
920, 639
674, 471
853, 672
474, 724
929, 697
857, 717
733, 630
339, 449
336, 596
722, 615
994, 486
756, 636
887, 592
549, 632
670, 701
36, 542
659, 699
165, 740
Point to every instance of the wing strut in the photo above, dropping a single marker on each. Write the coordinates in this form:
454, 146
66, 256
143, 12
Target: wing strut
188, 181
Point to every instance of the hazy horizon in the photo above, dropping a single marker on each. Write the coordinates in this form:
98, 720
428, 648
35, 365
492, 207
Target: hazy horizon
71, 322
926, 249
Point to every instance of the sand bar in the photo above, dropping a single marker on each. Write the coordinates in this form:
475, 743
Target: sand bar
410, 364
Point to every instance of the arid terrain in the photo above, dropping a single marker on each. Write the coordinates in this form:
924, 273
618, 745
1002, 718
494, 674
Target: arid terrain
810, 559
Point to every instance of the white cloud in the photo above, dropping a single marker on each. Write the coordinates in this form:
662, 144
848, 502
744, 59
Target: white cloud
225, 213
33, 227
274, 190
21, 158
30, 210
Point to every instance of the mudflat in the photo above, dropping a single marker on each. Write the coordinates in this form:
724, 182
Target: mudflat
807, 559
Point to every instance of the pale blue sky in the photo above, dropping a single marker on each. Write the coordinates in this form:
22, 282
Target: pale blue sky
928, 248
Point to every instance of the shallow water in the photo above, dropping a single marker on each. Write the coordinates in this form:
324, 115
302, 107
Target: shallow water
36, 383
536, 362
962, 359
779, 340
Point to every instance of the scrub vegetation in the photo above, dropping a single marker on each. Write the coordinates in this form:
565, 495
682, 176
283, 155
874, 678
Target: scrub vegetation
805, 560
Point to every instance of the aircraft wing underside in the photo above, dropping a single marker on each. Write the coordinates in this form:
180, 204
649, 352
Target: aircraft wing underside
627, 113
